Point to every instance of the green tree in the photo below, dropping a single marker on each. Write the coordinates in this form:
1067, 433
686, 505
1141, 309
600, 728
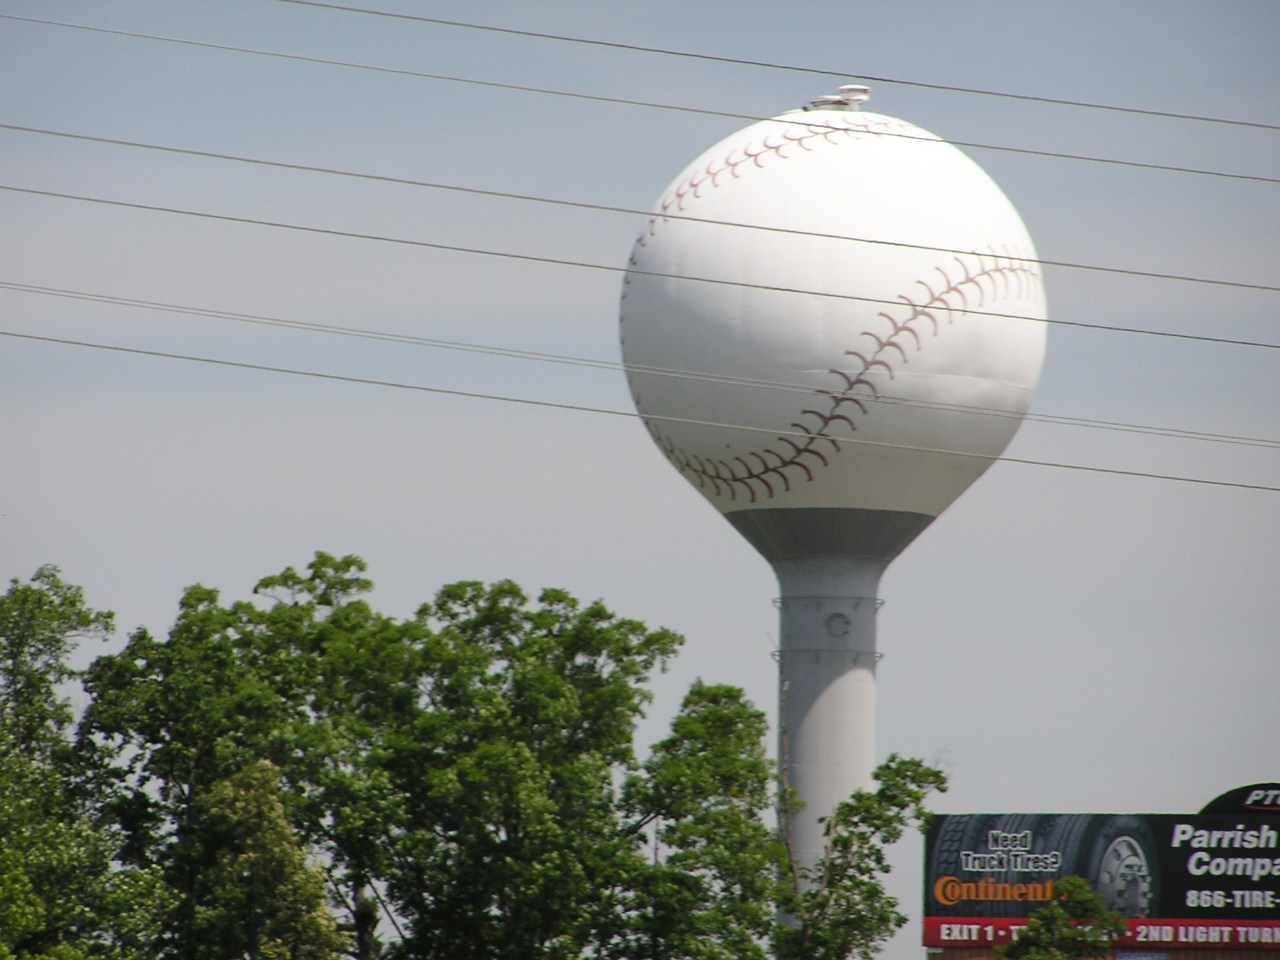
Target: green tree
40, 624
233, 685
358, 665
61, 895
469, 777
178, 717
706, 789
506, 760
258, 898
839, 907
1075, 925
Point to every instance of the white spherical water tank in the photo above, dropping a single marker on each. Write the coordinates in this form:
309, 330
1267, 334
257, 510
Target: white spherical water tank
832, 324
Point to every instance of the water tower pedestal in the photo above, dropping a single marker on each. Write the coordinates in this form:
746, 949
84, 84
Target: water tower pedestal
828, 562
832, 323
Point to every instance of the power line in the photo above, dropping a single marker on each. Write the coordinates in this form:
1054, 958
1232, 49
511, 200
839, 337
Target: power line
790, 68
611, 268
614, 366
1168, 168
582, 408
606, 208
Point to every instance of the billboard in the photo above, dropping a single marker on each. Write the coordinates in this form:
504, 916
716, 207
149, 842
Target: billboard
1180, 880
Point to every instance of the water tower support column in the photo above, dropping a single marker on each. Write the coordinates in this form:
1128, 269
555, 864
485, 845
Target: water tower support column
828, 562
827, 687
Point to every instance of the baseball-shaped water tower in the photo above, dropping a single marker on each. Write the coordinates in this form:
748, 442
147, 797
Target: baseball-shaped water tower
832, 324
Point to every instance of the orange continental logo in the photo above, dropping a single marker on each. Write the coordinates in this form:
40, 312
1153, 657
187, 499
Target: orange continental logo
952, 890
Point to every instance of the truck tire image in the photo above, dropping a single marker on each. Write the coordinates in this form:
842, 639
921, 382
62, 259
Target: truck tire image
1121, 866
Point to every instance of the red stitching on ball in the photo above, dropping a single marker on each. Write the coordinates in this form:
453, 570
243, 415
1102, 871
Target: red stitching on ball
795, 456
753, 155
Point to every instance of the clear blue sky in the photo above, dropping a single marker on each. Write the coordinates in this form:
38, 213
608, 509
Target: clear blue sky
1058, 640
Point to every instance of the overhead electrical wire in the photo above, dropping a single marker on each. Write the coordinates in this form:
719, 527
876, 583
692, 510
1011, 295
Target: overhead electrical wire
628, 102
789, 68
614, 366
582, 408
478, 251
610, 268
606, 208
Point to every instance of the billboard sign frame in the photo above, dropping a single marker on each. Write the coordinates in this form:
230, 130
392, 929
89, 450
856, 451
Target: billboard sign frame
1179, 880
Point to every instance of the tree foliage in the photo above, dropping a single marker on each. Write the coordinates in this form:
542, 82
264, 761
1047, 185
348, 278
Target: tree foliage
1075, 925
258, 897
301, 776
704, 791
61, 895
39, 623
838, 907
507, 840
235, 685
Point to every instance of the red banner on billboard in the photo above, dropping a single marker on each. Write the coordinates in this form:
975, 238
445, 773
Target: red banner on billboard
1162, 934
